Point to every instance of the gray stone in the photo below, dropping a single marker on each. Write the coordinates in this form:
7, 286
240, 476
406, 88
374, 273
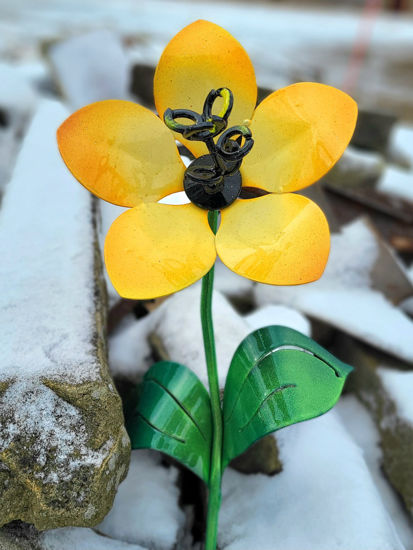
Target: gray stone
373, 130
385, 386
63, 445
90, 67
356, 168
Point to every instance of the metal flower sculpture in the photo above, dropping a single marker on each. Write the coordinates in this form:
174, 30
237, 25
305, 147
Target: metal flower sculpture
248, 163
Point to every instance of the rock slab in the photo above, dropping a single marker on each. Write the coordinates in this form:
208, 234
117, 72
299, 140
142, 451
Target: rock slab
63, 446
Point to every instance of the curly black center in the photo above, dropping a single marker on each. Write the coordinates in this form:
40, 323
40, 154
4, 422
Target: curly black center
213, 181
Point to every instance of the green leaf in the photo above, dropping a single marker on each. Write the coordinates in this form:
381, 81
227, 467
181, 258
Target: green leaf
173, 415
277, 377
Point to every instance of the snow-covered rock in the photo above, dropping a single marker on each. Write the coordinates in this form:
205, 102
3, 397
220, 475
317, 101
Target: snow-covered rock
400, 149
385, 387
63, 446
178, 332
397, 183
17, 101
146, 509
278, 315
344, 296
324, 499
362, 429
356, 167
17, 96
91, 67
130, 353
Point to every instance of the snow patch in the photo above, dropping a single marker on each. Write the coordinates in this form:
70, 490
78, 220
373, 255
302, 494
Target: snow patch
146, 508
130, 354
91, 67
279, 315
397, 182
78, 538
178, 326
324, 499
344, 298
47, 246
363, 431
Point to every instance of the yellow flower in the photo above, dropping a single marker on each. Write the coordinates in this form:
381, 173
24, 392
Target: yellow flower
126, 155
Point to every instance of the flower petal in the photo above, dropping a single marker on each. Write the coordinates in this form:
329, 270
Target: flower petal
299, 132
121, 152
156, 249
202, 57
274, 239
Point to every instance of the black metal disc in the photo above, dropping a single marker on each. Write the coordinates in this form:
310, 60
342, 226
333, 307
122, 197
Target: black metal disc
208, 190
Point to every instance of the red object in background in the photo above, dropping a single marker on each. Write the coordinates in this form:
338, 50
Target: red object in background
369, 15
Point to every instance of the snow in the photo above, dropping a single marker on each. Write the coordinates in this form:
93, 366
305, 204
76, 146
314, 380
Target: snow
47, 246
146, 510
279, 315
145, 513
407, 304
324, 499
108, 214
360, 164
177, 323
47, 307
17, 101
397, 182
17, 96
401, 144
285, 42
178, 326
399, 385
130, 354
91, 67
48, 422
231, 284
361, 427
78, 538
344, 298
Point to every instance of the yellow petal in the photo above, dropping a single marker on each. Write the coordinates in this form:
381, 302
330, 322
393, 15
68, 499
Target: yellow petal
274, 239
121, 152
299, 132
156, 249
202, 57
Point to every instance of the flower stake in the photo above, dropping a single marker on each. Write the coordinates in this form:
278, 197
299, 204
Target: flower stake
248, 164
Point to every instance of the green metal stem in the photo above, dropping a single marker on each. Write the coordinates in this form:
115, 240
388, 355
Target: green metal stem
214, 496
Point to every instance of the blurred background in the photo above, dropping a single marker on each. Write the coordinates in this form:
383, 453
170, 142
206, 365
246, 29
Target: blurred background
81, 51
86, 50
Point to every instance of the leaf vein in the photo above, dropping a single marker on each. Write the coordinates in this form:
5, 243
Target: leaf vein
267, 354
185, 410
277, 390
160, 431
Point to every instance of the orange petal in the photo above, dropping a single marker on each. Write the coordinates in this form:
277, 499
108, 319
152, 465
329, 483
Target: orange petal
202, 57
121, 152
156, 249
300, 132
274, 239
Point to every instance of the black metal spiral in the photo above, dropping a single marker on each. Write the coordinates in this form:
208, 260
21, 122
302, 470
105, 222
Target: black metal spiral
213, 181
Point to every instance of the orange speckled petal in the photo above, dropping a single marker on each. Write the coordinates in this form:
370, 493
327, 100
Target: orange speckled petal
300, 132
121, 152
156, 249
202, 57
274, 239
